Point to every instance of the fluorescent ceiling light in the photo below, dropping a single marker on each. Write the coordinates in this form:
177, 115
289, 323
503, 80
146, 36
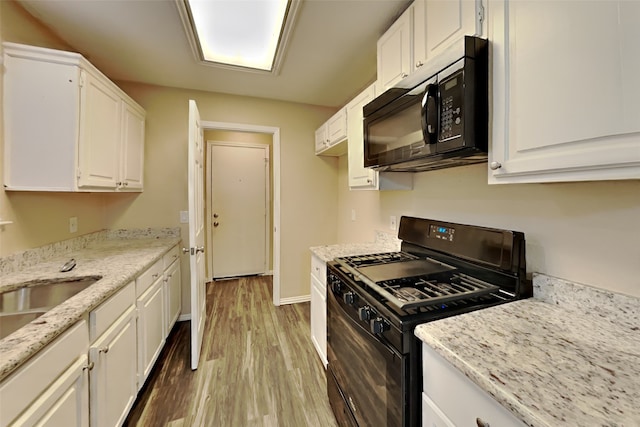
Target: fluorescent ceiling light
243, 33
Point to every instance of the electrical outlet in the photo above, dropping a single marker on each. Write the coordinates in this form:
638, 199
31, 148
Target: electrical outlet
73, 224
184, 217
353, 214
392, 222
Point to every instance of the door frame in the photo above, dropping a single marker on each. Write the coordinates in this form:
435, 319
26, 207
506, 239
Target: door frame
209, 200
275, 181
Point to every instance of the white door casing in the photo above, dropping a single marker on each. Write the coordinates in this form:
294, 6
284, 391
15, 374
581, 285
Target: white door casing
238, 185
275, 157
196, 231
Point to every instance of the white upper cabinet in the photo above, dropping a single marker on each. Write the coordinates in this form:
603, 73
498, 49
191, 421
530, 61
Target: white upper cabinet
359, 176
331, 136
566, 107
440, 23
395, 52
68, 127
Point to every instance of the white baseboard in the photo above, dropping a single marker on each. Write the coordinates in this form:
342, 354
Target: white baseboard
184, 317
295, 300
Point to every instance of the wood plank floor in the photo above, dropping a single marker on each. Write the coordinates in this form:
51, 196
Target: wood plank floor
257, 367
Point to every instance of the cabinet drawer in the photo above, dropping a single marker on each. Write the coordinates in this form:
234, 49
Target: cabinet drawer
169, 257
25, 385
147, 278
446, 387
432, 416
104, 316
319, 269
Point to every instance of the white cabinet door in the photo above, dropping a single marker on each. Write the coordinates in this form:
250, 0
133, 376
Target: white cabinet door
395, 52
440, 23
113, 378
173, 295
322, 138
150, 329
65, 403
132, 148
359, 176
51, 389
99, 147
337, 127
319, 318
565, 109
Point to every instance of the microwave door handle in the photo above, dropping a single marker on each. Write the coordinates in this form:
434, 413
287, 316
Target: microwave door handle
430, 114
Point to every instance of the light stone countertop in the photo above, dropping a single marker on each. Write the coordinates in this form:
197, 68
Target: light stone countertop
383, 243
569, 356
118, 261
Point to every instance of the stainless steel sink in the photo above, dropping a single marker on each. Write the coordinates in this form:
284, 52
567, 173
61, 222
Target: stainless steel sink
21, 306
11, 322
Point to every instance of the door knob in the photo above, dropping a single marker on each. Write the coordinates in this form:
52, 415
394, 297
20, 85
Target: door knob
215, 215
215, 224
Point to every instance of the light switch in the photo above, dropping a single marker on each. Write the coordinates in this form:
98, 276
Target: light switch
353, 214
73, 224
392, 222
184, 217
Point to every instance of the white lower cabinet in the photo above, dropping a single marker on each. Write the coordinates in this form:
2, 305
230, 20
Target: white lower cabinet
319, 307
92, 373
445, 387
114, 374
52, 389
172, 288
150, 329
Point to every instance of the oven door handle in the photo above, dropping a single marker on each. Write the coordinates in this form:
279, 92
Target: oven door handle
377, 338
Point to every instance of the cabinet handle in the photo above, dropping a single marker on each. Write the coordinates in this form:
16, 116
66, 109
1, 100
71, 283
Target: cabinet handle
89, 366
481, 423
495, 166
104, 350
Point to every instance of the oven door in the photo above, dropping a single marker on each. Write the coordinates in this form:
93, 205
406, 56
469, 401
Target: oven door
367, 371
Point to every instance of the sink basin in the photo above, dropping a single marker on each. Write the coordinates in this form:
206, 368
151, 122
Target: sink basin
43, 294
25, 304
11, 322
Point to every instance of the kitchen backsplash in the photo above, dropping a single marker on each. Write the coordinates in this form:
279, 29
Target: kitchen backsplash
28, 258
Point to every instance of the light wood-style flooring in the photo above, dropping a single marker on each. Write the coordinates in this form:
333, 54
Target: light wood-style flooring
257, 367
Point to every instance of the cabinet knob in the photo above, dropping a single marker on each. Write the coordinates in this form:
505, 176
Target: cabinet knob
419, 64
369, 181
495, 165
104, 350
185, 250
89, 366
216, 223
200, 249
118, 184
125, 183
404, 75
481, 423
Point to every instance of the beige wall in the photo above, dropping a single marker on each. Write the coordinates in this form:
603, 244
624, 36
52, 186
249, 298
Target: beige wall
40, 218
587, 232
308, 183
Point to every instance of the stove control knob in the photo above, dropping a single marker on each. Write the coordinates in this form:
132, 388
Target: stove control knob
365, 313
349, 298
379, 325
336, 285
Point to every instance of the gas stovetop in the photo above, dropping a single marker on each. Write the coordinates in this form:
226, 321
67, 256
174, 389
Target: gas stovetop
408, 281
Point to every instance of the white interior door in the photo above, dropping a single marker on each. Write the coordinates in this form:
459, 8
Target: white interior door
196, 231
239, 204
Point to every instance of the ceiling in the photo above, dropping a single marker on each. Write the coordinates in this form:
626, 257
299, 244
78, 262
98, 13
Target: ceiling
330, 57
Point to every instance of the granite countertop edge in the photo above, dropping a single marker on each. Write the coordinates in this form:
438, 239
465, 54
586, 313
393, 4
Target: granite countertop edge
118, 261
547, 360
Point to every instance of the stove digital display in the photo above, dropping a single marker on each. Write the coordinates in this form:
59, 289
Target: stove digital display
442, 233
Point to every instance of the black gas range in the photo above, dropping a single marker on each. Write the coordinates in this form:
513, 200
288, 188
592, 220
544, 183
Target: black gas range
375, 302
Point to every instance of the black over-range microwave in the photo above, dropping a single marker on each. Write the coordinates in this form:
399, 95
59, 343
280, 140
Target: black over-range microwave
442, 122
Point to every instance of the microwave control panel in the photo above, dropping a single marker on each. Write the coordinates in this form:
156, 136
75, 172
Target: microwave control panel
451, 107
